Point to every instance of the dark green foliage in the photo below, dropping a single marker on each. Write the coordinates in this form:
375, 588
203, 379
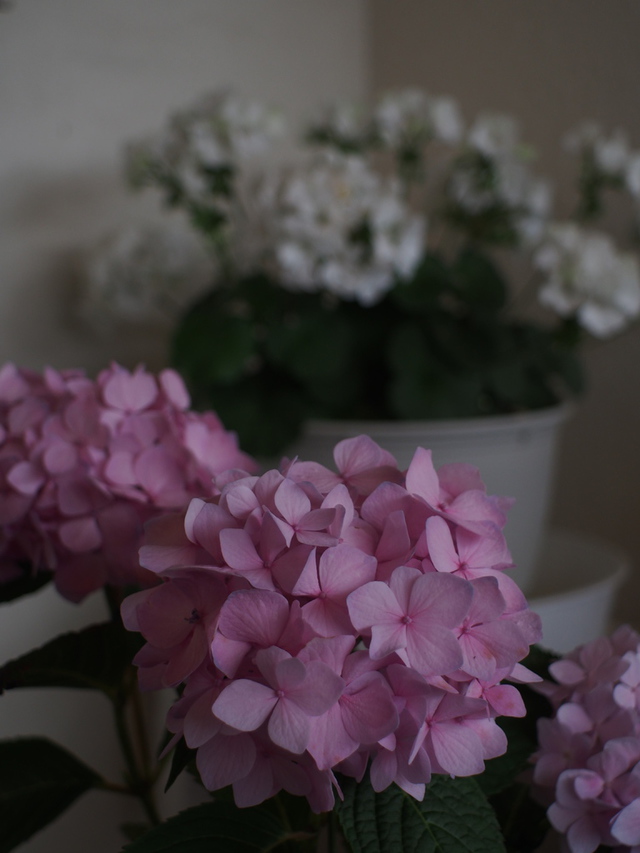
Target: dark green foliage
440, 345
217, 827
454, 817
38, 781
94, 659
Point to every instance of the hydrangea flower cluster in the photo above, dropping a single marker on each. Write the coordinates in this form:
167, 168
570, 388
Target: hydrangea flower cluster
146, 276
493, 176
589, 752
413, 117
586, 276
324, 622
207, 159
84, 464
609, 156
341, 228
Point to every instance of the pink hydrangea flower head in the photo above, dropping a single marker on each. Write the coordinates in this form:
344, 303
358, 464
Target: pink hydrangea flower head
83, 466
589, 752
328, 620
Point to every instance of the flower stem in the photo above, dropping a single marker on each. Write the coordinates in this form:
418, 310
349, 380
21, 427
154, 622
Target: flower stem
140, 782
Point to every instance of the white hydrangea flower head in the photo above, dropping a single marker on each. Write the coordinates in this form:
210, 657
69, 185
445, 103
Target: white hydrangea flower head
401, 115
612, 153
588, 277
495, 136
144, 276
340, 227
413, 116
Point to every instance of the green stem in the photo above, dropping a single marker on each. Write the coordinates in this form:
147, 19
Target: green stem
141, 784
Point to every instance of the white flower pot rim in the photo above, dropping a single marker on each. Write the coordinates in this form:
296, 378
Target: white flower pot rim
538, 419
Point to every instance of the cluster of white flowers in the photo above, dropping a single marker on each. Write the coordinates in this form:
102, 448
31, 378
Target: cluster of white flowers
414, 117
495, 173
340, 227
588, 277
146, 276
611, 154
218, 133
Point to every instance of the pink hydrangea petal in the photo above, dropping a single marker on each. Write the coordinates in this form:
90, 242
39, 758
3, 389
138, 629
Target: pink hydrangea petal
81, 534
342, 569
442, 596
626, 825
254, 616
457, 749
225, 760
329, 742
368, 710
200, 725
119, 469
289, 727
422, 479
373, 604
26, 478
174, 388
244, 704
130, 392
59, 456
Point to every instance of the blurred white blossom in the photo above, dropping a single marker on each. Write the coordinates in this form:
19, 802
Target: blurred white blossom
610, 153
340, 227
413, 117
585, 275
144, 276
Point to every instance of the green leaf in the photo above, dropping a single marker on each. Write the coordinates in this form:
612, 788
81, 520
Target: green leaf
94, 658
213, 345
181, 757
479, 281
217, 826
24, 585
453, 817
422, 291
38, 781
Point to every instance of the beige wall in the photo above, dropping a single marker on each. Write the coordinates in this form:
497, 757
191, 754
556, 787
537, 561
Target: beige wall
78, 78
551, 64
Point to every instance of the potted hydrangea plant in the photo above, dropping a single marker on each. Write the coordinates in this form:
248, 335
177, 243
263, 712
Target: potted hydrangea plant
361, 284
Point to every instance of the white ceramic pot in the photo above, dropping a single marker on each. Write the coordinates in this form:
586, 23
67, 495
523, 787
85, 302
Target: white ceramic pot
515, 454
575, 587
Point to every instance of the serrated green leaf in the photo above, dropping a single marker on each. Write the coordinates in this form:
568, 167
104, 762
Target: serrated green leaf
216, 826
25, 585
453, 817
38, 781
94, 658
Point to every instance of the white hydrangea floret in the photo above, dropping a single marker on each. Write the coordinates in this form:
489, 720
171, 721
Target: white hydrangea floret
588, 277
144, 276
340, 227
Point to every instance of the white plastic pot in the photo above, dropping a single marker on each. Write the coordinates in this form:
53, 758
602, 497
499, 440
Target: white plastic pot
515, 454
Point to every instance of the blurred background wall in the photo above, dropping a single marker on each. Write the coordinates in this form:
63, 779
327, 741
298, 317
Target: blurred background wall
551, 65
80, 78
